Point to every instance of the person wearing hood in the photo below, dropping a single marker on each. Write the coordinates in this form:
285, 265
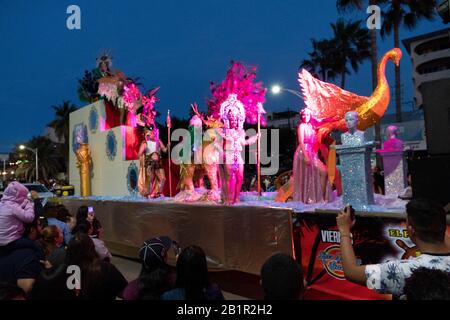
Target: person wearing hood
15, 210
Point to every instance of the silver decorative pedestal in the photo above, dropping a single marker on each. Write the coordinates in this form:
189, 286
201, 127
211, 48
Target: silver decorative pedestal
394, 164
356, 173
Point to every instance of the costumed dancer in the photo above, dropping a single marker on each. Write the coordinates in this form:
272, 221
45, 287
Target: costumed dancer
104, 64
115, 87
88, 86
237, 99
210, 153
152, 166
310, 174
151, 175
109, 82
189, 165
232, 113
204, 160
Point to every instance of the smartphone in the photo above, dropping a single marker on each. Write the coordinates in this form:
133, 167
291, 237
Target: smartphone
91, 211
352, 213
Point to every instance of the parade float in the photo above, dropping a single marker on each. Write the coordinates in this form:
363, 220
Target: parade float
240, 230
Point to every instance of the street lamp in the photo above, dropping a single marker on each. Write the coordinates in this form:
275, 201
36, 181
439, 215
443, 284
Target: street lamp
35, 151
276, 89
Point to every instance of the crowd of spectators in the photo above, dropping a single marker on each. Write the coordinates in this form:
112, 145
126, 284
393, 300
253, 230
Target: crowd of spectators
48, 254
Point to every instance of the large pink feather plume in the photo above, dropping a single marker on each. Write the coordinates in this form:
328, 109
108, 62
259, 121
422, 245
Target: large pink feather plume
148, 102
239, 80
131, 95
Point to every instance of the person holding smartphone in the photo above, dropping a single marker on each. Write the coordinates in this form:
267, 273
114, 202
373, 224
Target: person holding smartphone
96, 225
426, 226
87, 214
91, 215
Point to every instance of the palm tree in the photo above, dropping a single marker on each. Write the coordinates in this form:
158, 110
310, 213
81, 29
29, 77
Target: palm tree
407, 13
61, 126
88, 87
321, 60
344, 5
49, 159
351, 46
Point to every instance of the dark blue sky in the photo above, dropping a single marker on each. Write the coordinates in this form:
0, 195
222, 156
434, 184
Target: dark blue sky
178, 45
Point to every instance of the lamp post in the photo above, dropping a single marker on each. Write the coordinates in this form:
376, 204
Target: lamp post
276, 89
3, 173
35, 151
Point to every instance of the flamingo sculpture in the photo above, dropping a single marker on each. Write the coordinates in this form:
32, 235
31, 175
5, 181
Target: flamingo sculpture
326, 100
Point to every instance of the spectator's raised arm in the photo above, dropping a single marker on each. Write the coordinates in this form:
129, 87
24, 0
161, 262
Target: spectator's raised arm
352, 271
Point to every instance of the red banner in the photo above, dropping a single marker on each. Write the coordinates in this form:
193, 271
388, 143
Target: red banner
375, 240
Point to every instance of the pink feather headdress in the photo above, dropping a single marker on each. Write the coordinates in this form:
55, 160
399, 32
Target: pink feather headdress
239, 81
149, 112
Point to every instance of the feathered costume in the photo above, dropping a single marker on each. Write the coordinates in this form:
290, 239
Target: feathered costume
149, 164
121, 91
238, 98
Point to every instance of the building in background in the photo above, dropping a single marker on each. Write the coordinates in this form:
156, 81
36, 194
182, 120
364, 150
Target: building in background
283, 119
430, 56
430, 59
444, 10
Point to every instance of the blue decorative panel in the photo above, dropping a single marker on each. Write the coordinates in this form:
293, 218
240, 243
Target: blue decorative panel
93, 120
111, 145
132, 178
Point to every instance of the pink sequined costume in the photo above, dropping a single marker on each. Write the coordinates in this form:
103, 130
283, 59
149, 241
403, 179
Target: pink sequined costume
310, 174
236, 100
232, 171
